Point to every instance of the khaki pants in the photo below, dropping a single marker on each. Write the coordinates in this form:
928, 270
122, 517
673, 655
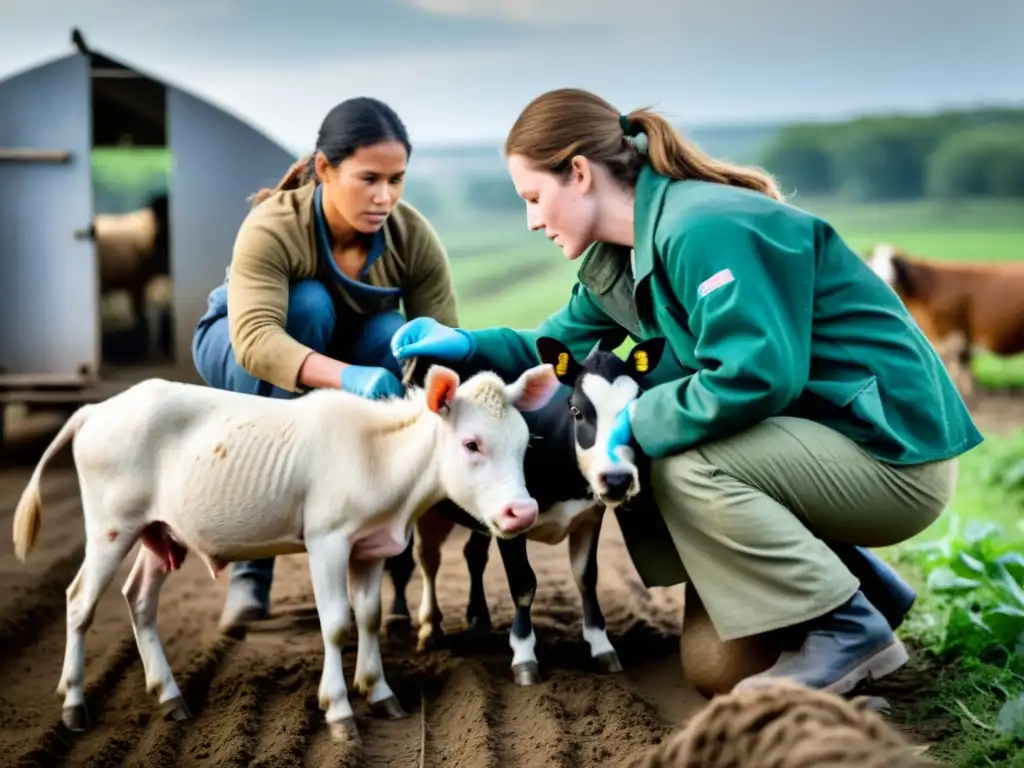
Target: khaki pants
745, 514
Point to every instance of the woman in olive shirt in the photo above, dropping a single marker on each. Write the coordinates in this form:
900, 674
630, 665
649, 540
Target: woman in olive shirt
311, 299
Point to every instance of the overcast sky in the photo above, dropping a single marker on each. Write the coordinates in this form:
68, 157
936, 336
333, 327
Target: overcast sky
462, 69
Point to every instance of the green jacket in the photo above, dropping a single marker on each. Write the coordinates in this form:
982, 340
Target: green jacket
767, 312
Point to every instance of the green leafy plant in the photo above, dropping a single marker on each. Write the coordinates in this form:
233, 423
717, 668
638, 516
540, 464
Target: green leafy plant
975, 576
1006, 469
1011, 717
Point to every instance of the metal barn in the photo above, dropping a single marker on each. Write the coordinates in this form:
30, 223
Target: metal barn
51, 118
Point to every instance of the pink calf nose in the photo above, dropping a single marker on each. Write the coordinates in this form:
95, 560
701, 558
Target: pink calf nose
518, 516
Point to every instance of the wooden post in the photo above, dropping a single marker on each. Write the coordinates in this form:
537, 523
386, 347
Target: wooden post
28, 155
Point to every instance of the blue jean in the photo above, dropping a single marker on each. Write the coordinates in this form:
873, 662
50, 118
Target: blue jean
311, 320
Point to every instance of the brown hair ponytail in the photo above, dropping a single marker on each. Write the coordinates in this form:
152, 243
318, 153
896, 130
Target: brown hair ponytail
563, 123
673, 156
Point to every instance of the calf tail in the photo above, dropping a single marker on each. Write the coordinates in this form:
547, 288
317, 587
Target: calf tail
28, 515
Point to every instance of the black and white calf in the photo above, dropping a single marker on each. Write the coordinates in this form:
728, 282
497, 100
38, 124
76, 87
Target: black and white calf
573, 485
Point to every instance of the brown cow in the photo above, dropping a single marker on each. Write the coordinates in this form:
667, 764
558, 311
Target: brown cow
961, 307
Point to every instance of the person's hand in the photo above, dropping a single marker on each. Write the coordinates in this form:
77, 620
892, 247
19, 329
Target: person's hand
426, 337
370, 382
621, 433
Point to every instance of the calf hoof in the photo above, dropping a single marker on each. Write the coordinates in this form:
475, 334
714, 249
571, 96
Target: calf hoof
76, 718
345, 731
479, 623
433, 640
389, 708
176, 709
480, 626
608, 662
527, 673
398, 628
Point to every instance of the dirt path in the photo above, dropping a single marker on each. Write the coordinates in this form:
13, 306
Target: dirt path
254, 700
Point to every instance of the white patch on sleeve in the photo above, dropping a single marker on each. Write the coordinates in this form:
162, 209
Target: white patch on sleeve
716, 281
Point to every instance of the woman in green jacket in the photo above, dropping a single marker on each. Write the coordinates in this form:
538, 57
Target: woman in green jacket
800, 400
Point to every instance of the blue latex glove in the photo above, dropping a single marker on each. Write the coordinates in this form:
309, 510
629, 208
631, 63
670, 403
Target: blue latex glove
621, 433
426, 337
370, 382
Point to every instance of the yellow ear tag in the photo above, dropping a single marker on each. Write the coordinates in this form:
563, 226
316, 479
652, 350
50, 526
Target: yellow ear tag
563, 363
640, 360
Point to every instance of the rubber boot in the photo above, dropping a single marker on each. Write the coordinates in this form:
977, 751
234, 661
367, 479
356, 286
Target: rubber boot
248, 596
840, 650
879, 582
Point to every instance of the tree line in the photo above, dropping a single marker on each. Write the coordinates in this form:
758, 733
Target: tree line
949, 155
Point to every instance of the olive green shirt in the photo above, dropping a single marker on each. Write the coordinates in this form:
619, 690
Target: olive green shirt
766, 311
276, 246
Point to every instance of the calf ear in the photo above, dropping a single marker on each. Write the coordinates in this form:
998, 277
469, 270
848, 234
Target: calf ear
534, 389
441, 384
557, 355
645, 356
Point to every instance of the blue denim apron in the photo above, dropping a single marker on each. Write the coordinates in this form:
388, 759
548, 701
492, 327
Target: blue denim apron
360, 337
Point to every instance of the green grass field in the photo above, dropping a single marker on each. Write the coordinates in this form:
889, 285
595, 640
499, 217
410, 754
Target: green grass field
963, 691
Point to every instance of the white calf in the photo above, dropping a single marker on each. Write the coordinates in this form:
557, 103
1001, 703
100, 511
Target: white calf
237, 477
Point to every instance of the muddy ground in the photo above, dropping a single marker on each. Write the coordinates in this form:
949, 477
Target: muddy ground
253, 700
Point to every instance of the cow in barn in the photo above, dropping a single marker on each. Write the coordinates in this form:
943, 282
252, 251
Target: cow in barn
133, 250
960, 307
574, 483
233, 477
561, 435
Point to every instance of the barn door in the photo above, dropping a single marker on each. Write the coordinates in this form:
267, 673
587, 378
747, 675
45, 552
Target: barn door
217, 161
49, 296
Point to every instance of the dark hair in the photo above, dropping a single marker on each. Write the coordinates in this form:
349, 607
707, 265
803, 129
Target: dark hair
565, 122
352, 124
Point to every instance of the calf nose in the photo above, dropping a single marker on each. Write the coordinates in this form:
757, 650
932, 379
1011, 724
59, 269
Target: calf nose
518, 516
616, 485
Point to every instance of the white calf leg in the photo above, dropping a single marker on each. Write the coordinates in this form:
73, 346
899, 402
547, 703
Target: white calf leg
142, 593
328, 567
583, 561
430, 632
102, 558
365, 578
430, 535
